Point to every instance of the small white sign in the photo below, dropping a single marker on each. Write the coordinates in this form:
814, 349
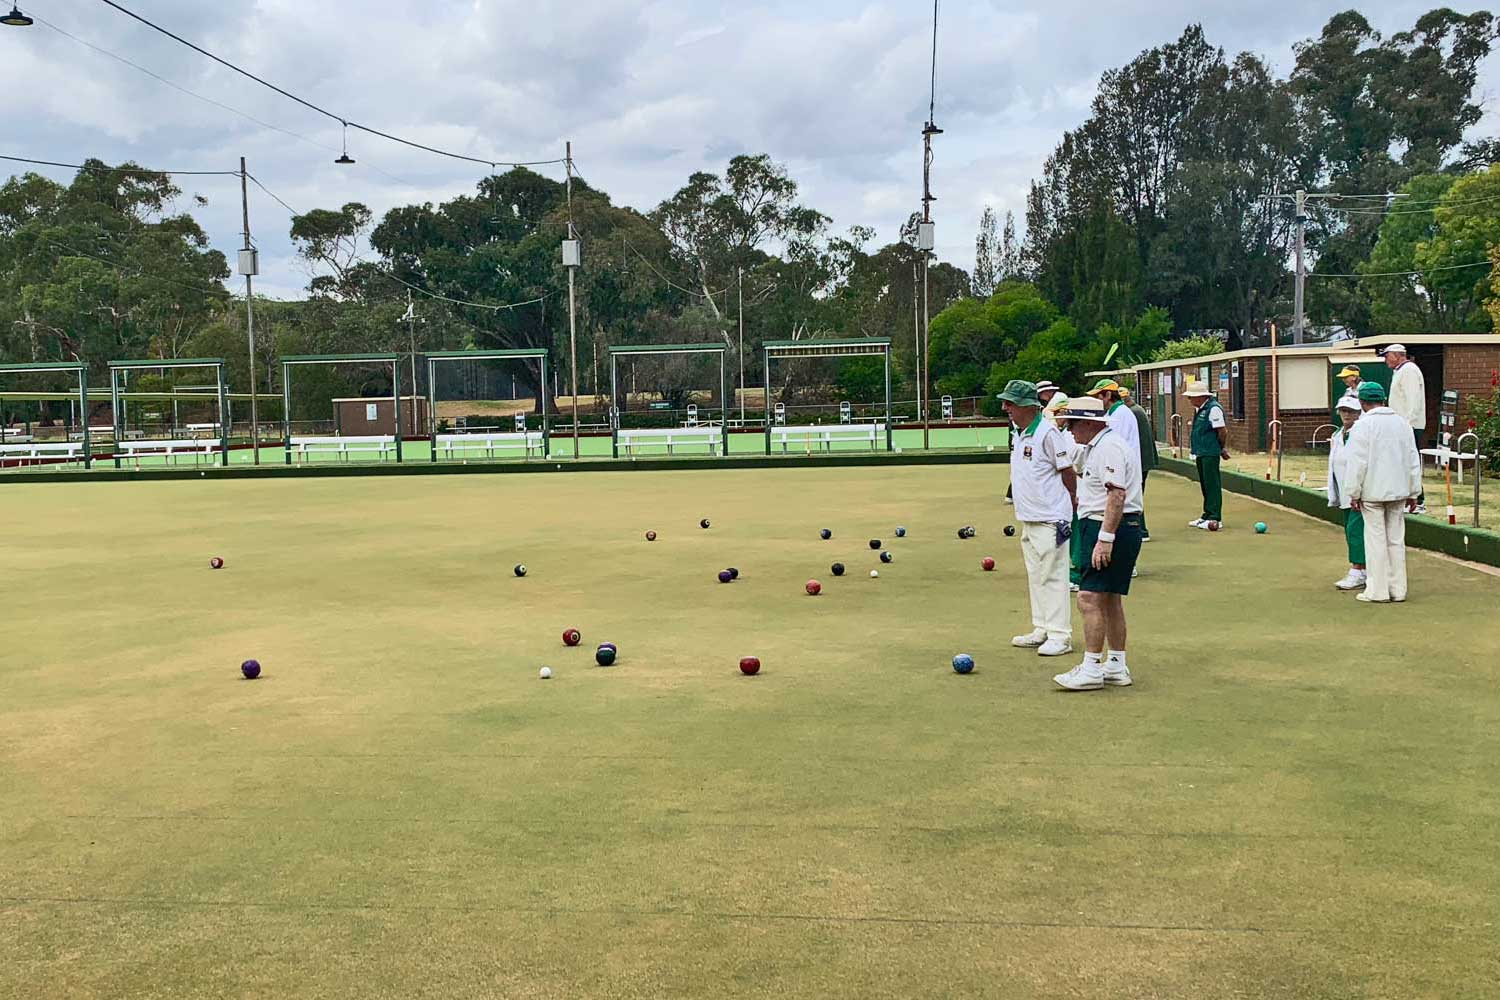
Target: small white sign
372, 411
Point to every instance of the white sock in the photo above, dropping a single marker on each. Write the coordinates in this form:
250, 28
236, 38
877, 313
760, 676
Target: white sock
1117, 656
1093, 659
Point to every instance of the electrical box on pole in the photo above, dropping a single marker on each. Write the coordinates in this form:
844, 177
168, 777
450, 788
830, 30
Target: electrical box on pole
249, 263
572, 253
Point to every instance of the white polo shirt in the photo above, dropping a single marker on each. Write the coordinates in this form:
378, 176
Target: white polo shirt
1036, 465
1122, 421
1110, 461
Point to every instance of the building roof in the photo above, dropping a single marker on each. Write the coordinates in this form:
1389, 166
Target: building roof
1341, 349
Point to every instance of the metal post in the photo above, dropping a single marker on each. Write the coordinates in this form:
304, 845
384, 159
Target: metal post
1297, 305
741, 272
1458, 446
572, 305
546, 428
114, 412
926, 359
888, 431
432, 405
614, 406
224, 415
396, 392
724, 398
767, 380
411, 323
250, 325
286, 410
916, 322
83, 405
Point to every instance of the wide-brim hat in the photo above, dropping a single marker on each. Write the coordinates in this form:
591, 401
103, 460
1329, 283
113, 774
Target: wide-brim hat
1197, 389
1044, 386
1084, 408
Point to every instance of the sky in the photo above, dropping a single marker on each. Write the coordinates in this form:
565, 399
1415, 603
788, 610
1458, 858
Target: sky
647, 92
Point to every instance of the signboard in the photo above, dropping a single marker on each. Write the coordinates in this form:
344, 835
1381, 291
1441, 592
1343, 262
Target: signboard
661, 406
1236, 367
371, 410
1166, 383
1223, 379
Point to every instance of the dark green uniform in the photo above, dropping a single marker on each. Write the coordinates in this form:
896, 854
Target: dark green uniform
1206, 452
1147, 439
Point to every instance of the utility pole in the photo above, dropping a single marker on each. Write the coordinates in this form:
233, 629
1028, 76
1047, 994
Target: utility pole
571, 260
1297, 295
250, 266
926, 236
411, 322
741, 275
916, 322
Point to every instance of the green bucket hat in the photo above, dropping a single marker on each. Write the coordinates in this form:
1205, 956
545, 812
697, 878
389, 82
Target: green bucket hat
1021, 392
1371, 392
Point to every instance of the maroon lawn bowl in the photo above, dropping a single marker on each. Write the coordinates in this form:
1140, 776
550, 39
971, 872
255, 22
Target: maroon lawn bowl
650, 536
749, 665
572, 637
988, 564
814, 588
216, 563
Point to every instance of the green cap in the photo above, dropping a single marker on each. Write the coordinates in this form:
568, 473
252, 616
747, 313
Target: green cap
1105, 385
1371, 392
1021, 392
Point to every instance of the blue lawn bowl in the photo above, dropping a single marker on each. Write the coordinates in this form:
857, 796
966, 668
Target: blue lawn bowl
725, 576
251, 669
963, 663
605, 655
1260, 528
900, 532
825, 534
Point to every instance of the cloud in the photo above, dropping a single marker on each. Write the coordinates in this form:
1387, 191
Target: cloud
648, 93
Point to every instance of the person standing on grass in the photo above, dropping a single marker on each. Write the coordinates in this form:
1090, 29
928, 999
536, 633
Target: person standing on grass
1146, 437
1384, 473
1349, 410
1408, 399
1209, 440
1044, 485
1109, 520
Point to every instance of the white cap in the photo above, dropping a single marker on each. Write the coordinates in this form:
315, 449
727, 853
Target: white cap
1349, 403
1392, 349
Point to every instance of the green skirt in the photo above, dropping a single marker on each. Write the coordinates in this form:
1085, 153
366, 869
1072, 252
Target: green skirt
1354, 535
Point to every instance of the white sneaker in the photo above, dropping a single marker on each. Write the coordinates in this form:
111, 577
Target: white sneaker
1145, 539
1354, 580
1031, 640
1009, 502
1421, 508
1072, 588
1116, 674
1365, 596
1055, 647
1133, 572
1084, 677
1197, 522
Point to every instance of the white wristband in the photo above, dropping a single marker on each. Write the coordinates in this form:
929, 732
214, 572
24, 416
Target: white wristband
1106, 536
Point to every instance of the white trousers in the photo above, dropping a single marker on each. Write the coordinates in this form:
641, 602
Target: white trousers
1385, 550
1047, 575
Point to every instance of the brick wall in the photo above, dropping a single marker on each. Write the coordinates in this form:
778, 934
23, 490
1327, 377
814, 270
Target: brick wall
1469, 368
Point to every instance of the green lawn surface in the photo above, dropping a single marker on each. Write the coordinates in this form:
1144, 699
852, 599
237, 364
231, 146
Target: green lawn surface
1296, 798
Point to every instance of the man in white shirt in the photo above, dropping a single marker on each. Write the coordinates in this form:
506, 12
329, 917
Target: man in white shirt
1408, 398
1383, 476
1109, 521
1042, 486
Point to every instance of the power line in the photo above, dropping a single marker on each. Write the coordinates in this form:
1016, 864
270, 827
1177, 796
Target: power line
1402, 274
128, 170
669, 281
209, 100
342, 120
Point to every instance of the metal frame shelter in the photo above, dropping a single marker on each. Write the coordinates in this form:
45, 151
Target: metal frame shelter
644, 350
848, 347
512, 354
387, 358
117, 420
80, 371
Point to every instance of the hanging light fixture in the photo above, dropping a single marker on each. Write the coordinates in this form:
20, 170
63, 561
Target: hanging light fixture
16, 19
346, 158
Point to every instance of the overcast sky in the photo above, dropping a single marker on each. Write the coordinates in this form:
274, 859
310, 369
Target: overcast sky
647, 91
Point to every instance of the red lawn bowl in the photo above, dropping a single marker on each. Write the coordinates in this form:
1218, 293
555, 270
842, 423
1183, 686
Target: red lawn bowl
749, 665
216, 563
650, 536
988, 564
572, 637
814, 588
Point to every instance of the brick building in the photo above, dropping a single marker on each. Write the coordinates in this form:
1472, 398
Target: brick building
1305, 387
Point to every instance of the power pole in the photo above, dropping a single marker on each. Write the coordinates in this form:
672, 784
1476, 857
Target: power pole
411, 322
926, 235
571, 259
916, 322
741, 275
1300, 220
250, 266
